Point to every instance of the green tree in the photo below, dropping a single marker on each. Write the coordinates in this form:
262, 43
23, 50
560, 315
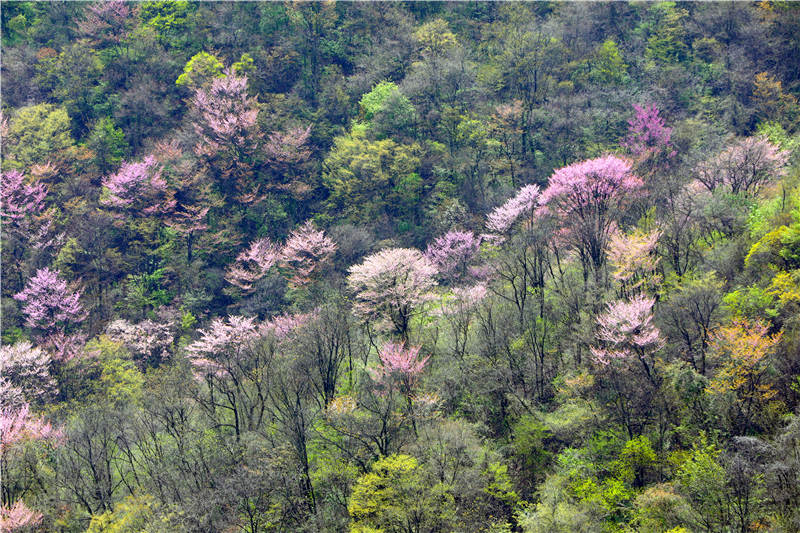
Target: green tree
199, 71
395, 497
372, 180
36, 134
108, 144
608, 66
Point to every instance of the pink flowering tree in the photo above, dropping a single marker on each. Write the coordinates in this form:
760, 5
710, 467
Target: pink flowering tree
18, 517
624, 357
452, 253
253, 264
647, 134
520, 207
138, 189
227, 114
150, 343
18, 425
18, 200
390, 286
287, 153
234, 359
285, 149
225, 122
24, 222
107, 22
626, 333
282, 327
586, 198
305, 252
400, 366
744, 166
49, 305
399, 371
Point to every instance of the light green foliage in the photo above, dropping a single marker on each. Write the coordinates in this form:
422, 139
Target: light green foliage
666, 42
528, 444
368, 178
119, 381
134, 514
608, 66
144, 292
751, 302
660, 508
201, 69
373, 101
701, 479
435, 37
778, 136
556, 511
168, 18
385, 111
395, 497
35, 135
500, 485
635, 460
244, 66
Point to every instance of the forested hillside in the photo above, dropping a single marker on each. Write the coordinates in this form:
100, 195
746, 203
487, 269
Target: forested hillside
400, 267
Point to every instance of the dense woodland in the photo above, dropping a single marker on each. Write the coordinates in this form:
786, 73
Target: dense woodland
400, 267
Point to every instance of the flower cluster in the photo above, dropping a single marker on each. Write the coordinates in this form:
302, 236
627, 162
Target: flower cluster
48, 302
502, 218
627, 329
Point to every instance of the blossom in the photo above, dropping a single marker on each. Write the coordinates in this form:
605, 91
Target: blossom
18, 516
48, 302
227, 114
220, 338
647, 133
18, 199
744, 166
27, 367
627, 328
306, 249
399, 364
138, 187
452, 252
585, 197
390, 285
284, 325
502, 218
253, 263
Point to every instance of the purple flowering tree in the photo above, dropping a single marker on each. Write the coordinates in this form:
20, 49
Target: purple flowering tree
18, 200
138, 189
48, 303
25, 225
624, 357
503, 218
647, 134
452, 253
225, 122
626, 332
253, 264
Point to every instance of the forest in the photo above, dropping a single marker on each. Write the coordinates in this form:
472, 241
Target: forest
400, 267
